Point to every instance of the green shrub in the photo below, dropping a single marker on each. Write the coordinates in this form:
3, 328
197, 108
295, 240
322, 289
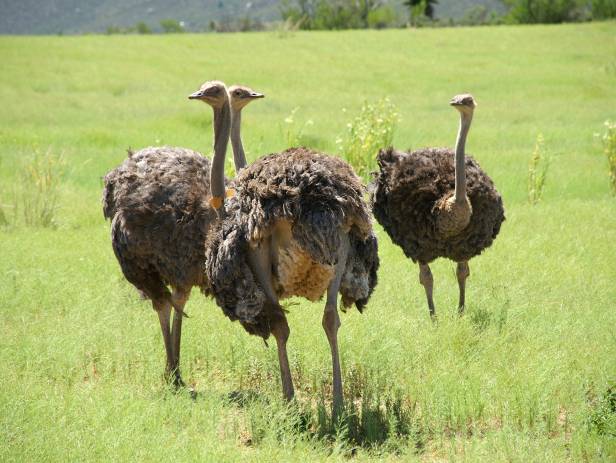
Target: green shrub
143, 28
381, 17
367, 133
603, 9
337, 14
479, 15
609, 148
537, 171
601, 416
544, 11
171, 26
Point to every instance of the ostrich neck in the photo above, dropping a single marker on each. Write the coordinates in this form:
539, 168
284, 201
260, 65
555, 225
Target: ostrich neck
239, 157
460, 191
222, 122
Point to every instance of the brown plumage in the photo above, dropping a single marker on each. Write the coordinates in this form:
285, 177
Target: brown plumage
157, 202
413, 198
297, 226
315, 195
408, 188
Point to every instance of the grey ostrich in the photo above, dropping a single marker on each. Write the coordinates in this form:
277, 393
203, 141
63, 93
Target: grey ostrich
157, 201
297, 226
435, 202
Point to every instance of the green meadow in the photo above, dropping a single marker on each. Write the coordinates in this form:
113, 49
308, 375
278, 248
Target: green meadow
528, 374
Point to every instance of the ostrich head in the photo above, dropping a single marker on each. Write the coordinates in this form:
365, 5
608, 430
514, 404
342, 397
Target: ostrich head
240, 96
465, 103
213, 92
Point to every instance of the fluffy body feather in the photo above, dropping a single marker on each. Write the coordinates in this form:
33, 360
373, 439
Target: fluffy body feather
303, 199
409, 190
157, 201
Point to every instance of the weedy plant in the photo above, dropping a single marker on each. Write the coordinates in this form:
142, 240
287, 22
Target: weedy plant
368, 132
292, 130
601, 416
609, 148
537, 171
36, 195
288, 27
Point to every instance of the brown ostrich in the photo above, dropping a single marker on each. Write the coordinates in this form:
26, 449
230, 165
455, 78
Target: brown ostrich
297, 226
158, 203
434, 202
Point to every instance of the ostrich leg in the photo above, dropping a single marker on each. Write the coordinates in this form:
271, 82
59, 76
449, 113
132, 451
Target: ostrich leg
163, 309
261, 264
425, 278
178, 299
331, 323
462, 272
280, 330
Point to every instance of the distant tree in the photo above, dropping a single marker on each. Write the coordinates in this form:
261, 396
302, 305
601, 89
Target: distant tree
143, 28
171, 26
421, 7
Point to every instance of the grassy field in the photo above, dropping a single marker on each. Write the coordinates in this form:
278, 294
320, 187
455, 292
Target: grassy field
524, 376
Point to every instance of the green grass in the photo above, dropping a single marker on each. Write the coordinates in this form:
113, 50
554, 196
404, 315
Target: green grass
524, 376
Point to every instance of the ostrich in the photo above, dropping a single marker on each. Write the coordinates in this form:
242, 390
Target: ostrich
432, 206
160, 217
297, 226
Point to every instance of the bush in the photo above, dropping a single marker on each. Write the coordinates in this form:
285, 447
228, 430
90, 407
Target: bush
143, 28
609, 148
367, 133
603, 9
337, 14
544, 11
479, 15
537, 171
171, 26
381, 17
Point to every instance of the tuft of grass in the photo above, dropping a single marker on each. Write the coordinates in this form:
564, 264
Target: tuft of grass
36, 195
372, 129
609, 148
537, 171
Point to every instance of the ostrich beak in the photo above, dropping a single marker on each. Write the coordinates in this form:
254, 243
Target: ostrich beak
196, 95
257, 95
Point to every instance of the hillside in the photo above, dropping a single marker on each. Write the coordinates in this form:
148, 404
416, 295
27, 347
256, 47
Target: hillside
84, 16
